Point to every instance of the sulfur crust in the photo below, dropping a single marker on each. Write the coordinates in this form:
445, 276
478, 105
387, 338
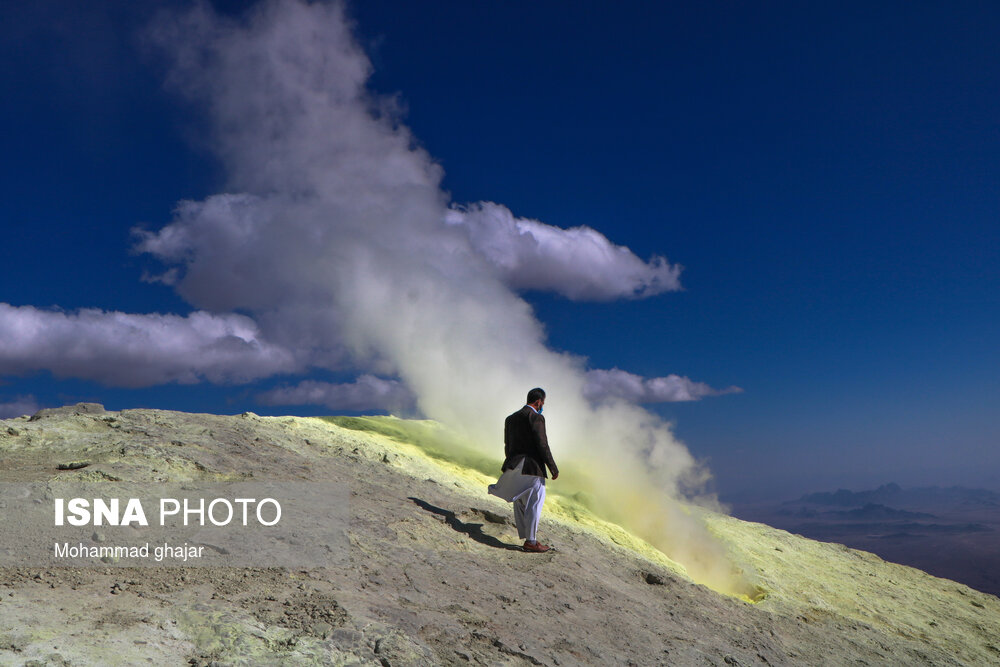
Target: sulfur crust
826, 584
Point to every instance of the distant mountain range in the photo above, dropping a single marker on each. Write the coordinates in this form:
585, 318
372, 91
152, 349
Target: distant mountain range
870, 512
896, 496
951, 532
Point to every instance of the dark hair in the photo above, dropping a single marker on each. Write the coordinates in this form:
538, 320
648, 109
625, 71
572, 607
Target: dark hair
536, 394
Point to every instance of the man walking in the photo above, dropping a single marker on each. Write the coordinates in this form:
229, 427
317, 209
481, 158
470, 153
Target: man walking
526, 449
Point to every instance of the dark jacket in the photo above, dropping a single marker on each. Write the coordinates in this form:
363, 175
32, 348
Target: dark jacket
524, 438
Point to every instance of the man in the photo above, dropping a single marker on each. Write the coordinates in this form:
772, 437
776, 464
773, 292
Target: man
526, 449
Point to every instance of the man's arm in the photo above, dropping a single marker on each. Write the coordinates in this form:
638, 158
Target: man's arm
538, 426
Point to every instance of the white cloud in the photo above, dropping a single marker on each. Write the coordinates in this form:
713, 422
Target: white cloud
22, 405
615, 383
136, 350
366, 393
579, 263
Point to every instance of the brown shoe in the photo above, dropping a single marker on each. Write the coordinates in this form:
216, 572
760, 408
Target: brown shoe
536, 548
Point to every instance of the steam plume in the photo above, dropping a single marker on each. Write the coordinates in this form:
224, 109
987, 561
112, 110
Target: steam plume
334, 246
335, 228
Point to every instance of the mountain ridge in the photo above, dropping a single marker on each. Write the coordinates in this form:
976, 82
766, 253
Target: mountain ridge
893, 494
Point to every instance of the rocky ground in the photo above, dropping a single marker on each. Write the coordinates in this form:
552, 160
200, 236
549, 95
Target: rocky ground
433, 574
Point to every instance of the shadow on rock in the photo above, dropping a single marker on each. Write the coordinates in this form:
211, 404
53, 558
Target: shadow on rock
473, 530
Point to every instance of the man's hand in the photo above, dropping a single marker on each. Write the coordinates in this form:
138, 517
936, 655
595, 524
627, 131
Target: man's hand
555, 476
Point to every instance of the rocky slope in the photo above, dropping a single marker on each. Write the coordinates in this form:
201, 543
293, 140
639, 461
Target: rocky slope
433, 576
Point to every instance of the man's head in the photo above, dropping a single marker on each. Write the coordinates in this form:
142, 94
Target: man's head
535, 395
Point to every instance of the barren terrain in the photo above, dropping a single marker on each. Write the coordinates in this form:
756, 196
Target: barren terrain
433, 574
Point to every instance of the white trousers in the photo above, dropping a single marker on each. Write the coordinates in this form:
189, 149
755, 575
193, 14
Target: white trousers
527, 492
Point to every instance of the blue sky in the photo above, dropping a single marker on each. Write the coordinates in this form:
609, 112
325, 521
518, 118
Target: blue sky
826, 175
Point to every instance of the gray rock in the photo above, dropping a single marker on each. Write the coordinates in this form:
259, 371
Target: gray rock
321, 629
654, 579
69, 410
399, 650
